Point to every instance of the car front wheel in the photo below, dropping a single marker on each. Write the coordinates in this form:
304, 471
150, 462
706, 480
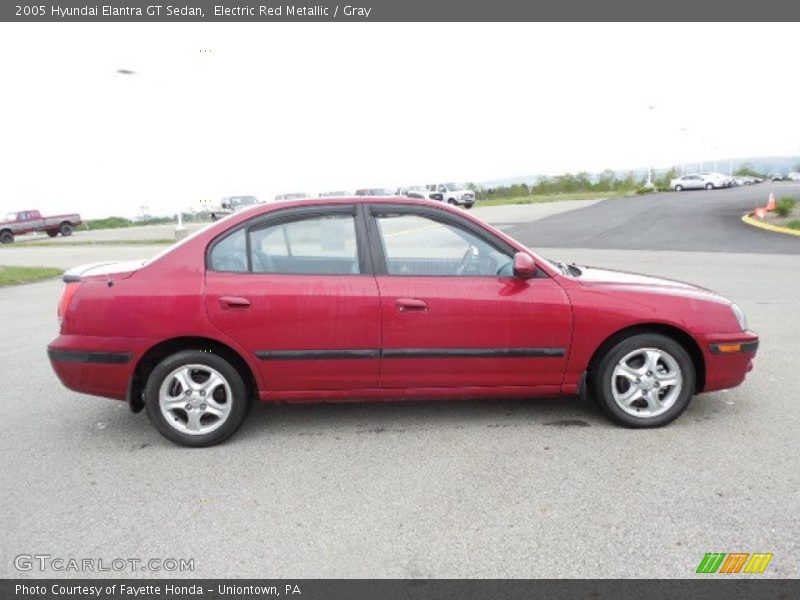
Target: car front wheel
678, 188
196, 398
645, 380
709, 186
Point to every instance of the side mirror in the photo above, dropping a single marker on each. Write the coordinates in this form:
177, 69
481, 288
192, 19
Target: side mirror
524, 266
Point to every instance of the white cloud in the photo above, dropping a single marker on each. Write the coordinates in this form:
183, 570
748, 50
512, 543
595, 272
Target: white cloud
273, 108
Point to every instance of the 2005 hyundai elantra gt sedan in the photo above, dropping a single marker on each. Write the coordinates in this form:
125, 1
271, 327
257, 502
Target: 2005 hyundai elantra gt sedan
382, 299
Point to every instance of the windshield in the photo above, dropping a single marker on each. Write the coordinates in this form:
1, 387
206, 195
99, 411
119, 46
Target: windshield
453, 187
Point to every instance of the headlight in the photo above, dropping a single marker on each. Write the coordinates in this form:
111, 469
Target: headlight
739, 314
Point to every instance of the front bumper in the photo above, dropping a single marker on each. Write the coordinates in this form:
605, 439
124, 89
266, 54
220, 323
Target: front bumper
729, 358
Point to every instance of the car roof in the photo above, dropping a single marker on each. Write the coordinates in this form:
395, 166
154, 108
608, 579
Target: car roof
334, 200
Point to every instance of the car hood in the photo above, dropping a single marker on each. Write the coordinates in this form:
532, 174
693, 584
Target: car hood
625, 281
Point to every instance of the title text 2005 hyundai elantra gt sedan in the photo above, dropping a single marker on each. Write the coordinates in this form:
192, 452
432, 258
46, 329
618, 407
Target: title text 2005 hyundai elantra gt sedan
382, 298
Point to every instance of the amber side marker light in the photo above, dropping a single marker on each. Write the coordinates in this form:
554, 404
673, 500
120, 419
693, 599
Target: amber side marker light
729, 348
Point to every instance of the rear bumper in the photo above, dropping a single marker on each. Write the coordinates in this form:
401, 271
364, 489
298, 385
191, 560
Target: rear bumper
729, 357
94, 365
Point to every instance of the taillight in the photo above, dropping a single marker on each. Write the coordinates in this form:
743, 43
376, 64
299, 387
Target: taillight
66, 298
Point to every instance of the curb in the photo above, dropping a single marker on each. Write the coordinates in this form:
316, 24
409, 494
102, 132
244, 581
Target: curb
749, 220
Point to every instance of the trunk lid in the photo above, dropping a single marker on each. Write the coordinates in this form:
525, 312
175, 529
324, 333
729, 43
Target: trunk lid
107, 270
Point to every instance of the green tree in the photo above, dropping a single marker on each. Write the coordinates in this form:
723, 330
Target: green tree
747, 170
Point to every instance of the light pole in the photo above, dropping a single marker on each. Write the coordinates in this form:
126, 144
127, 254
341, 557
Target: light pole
684, 132
649, 183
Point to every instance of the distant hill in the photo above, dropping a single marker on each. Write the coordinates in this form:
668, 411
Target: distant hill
761, 164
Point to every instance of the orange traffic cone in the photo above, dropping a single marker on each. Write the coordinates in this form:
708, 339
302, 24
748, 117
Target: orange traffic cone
771, 203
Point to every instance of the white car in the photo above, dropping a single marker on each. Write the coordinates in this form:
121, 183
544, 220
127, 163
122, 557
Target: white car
420, 191
375, 192
292, 196
454, 193
231, 204
793, 176
699, 181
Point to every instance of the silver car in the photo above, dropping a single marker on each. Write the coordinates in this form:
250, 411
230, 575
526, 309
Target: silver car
697, 181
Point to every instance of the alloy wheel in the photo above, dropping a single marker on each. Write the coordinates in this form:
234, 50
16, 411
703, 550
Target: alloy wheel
195, 399
646, 382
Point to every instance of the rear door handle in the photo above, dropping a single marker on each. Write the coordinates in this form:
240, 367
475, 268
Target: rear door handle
411, 305
234, 303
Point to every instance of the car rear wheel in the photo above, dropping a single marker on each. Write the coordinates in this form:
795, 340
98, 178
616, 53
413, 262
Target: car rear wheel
66, 229
196, 398
709, 186
645, 380
452, 201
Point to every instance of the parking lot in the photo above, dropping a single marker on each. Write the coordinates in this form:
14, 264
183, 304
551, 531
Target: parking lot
539, 488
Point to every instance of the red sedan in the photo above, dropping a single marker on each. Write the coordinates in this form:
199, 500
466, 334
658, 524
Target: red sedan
382, 299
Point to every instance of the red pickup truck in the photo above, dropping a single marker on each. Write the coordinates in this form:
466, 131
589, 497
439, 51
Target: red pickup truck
29, 221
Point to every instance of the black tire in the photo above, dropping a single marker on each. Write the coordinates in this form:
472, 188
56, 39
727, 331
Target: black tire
709, 186
6, 237
601, 380
452, 201
678, 188
239, 400
52, 233
65, 229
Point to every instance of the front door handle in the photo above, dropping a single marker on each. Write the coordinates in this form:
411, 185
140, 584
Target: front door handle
411, 305
234, 303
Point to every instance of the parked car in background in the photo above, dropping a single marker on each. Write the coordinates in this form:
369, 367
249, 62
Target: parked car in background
334, 194
699, 181
383, 298
454, 193
744, 180
690, 181
232, 204
292, 196
776, 177
719, 179
375, 192
420, 191
31, 221
793, 176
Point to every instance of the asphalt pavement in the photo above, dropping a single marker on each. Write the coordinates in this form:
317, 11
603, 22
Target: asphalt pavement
528, 488
703, 221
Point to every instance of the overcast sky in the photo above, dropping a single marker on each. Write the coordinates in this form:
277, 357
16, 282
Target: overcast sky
276, 108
